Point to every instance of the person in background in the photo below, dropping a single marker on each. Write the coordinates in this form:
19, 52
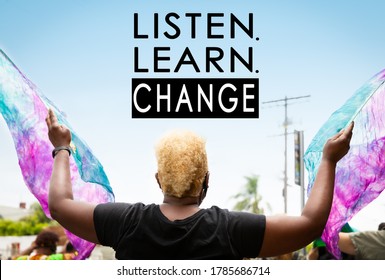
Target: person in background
44, 248
319, 251
178, 228
381, 226
364, 245
68, 248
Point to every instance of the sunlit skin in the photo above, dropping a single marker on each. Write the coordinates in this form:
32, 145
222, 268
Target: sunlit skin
77, 216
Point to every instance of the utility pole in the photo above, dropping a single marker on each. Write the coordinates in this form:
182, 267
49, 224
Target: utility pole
285, 125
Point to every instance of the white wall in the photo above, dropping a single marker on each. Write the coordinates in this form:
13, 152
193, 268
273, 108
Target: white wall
6, 244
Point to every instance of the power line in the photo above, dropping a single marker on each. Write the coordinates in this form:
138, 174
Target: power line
285, 125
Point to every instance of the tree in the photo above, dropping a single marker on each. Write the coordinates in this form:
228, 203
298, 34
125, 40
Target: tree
249, 199
30, 225
38, 216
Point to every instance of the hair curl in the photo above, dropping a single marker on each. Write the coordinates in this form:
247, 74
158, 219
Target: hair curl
182, 163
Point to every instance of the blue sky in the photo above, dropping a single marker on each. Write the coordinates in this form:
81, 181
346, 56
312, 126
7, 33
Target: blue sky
80, 54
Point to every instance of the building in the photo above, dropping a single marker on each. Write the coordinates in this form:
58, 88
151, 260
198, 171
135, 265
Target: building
14, 213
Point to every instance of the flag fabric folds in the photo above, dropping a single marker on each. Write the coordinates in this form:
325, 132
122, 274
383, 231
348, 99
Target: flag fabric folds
360, 175
24, 109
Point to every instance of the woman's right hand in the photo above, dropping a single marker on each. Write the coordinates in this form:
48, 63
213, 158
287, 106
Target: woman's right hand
338, 146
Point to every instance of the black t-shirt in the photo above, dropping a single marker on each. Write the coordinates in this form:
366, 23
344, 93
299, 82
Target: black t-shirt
138, 231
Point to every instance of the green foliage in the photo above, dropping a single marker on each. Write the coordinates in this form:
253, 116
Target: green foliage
249, 199
30, 225
37, 217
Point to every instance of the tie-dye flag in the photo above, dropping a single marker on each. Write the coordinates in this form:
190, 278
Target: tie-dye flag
24, 109
360, 175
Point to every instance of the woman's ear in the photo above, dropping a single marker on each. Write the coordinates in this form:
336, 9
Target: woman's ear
204, 189
157, 179
206, 182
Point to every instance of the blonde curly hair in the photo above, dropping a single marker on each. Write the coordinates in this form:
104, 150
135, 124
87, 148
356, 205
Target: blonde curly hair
182, 163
